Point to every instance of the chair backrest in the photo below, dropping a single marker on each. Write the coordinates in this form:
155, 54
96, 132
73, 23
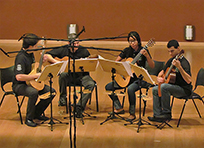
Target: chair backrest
159, 65
6, 76
200, 78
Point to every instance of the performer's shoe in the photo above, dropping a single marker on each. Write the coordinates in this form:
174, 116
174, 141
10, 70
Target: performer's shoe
120, 112
62, 102
42, 118
30, 123
160, 118
130, 118
79, 111
164, 116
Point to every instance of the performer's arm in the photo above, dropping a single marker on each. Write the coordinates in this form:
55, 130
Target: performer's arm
25, 77
149, 59
118, 58
184, 74
49, 58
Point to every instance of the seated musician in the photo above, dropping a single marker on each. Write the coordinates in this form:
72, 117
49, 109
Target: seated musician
81, 77
132, 51
181, 87
23, 66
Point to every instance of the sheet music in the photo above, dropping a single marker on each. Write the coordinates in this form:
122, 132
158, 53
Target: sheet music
56, 73
128, 68
148, 75
140, 70
64, 65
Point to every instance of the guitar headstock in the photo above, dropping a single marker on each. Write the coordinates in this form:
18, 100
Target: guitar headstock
150, 43
180, 54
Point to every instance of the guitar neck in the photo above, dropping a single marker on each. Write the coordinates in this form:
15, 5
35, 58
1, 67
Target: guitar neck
169, 71
39, 69
138, 56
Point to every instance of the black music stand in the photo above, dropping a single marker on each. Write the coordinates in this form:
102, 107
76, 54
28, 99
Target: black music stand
115, 68
51, 71
84, 65
142, 75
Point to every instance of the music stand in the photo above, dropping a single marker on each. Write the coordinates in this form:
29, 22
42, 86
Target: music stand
142, 75
84, 65
51, 71
115, 68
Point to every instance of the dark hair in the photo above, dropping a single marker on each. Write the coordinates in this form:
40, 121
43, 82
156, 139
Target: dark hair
30, 39
134, 34
173, 43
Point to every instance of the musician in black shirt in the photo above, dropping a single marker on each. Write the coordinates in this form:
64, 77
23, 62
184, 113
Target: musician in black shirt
132, 51
181, 88
22, 68
81, 77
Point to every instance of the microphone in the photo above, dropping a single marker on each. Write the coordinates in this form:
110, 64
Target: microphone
4, 52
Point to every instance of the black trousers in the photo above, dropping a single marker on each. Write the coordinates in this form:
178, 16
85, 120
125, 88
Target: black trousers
33, 109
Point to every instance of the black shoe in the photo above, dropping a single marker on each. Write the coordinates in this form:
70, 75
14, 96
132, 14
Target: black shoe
130, 120
164, 116
120, 112
42, 118
30, 123
62, 102
79, 111
155, 119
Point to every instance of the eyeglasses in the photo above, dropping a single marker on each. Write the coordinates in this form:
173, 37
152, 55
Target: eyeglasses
134, 41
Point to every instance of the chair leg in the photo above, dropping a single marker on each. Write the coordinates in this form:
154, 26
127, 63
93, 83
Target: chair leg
182, 112
96, 92
19, 109
172, 102
196, 108
21, 103
2, 99
123, 97
145, 104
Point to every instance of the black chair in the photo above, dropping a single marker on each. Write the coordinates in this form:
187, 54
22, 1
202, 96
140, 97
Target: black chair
194, 95
6, 76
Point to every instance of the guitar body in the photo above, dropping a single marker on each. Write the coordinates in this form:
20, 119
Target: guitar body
33, 83
122, 80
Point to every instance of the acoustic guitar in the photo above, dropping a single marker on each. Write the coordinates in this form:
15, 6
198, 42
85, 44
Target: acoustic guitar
37, 68
123, 81
170, 74
67, 58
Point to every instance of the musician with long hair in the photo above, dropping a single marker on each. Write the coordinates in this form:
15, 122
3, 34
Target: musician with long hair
135, 47
181, 74
22, 69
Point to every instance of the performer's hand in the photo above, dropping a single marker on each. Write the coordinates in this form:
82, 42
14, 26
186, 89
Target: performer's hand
160, 79
144, 52
176, 63
36, 75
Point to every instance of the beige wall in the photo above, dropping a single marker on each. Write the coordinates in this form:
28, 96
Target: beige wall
161, 19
